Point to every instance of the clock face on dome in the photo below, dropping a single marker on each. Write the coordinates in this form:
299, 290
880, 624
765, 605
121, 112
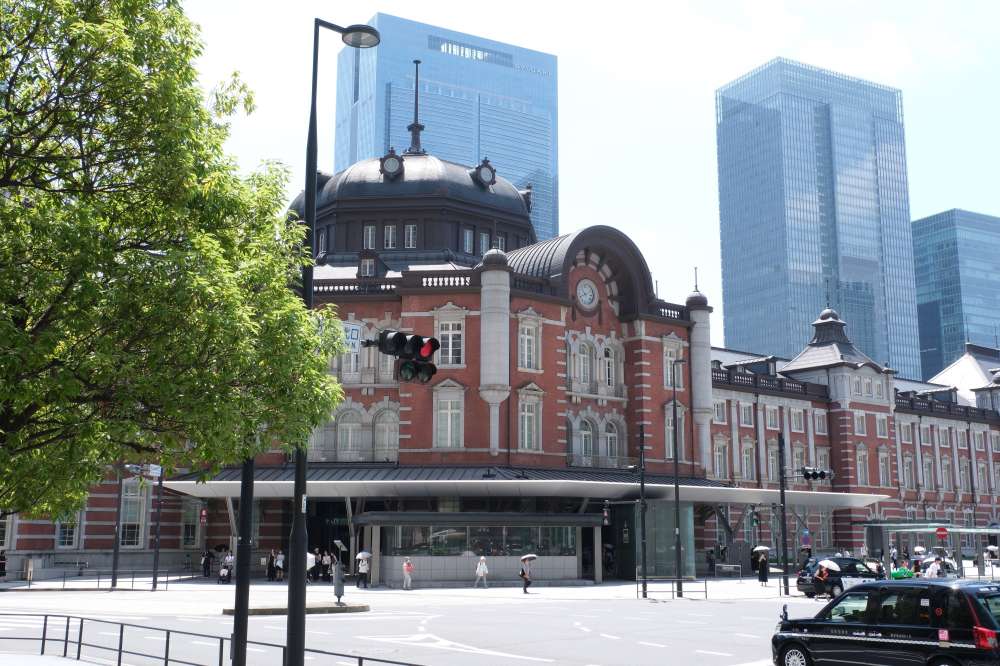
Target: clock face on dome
391, 165
485, 174
586, 293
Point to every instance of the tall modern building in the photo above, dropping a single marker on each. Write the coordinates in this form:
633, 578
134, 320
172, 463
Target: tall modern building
956, 256
814, 210
478, 98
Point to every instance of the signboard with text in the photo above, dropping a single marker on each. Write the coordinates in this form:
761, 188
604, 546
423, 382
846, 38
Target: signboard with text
352, 336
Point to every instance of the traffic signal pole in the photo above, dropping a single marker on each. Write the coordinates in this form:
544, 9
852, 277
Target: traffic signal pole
784, 519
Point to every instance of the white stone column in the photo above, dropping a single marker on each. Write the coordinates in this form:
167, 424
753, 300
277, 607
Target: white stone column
598, 557
700, 371
494, 339
809, 416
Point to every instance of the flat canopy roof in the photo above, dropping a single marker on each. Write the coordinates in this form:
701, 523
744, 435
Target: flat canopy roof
413, 481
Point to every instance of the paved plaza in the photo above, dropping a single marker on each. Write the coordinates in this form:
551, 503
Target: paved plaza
595, 625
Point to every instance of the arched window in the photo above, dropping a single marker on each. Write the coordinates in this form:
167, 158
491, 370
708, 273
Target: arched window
611, 440
720, 459
386, 435
348, 435
945, 474
584, 363
586, 438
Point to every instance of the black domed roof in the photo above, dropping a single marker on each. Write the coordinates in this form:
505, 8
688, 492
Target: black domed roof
495, 258
696, 299
423, 176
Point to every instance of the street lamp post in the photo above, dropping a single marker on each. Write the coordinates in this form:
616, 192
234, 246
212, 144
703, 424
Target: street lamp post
362, 37
677, 485
159, 510
784, 521
641, 468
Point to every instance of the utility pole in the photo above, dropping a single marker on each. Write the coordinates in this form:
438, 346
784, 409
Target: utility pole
784, 521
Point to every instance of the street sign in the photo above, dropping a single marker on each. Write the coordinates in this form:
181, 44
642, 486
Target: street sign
352, 336
203, 515
941, 532
155, 471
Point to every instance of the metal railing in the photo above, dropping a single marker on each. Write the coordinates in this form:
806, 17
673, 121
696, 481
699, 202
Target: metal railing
599, 462
101, 578
691, 585
70, 635
768, 383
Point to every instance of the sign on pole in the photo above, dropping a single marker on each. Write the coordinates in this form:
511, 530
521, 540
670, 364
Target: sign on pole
155, 471
352, 335
203, 515
941, 532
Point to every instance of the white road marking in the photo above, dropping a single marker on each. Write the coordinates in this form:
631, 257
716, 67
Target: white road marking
691, 621
616, 638
652, 644
717, 654
762, 662
108, 633
700, 614
155, 638
746, 635
204, 643
251, 649
429, 640
756, 617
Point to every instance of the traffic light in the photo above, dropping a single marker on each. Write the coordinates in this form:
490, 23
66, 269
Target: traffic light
414, 351
814, 474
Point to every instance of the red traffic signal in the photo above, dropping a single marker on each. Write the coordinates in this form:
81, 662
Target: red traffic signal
415, 352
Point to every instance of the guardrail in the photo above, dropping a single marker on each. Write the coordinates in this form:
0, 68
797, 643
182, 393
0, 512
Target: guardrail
99, 578
729, 569
72, 633
690, 585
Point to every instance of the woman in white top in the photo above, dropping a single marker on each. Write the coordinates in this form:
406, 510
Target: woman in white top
279, 564
481, 571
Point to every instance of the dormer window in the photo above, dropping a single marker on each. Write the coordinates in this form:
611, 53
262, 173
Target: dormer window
410, 236
369, 241
367, 268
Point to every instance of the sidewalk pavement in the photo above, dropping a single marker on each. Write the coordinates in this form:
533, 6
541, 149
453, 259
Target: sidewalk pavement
15, 659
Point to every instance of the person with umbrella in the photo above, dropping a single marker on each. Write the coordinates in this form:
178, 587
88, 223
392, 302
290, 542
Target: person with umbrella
525, 572
762, 565
822, 574
363, 568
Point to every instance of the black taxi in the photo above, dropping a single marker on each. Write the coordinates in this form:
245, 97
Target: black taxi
930, 622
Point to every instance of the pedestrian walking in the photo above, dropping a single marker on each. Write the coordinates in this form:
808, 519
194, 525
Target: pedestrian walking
3, 564
934, 570
206, 563
279, 565
481, 571
327, 566
710, 560
819, 580
763, 569
525, 575
363, 573
317, 565
407, 574
271, 573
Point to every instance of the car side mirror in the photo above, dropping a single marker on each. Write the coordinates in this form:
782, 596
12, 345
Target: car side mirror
784, 612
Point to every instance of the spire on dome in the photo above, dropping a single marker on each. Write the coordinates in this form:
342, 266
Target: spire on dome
415, 128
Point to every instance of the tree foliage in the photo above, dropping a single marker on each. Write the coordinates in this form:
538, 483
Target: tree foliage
146, 312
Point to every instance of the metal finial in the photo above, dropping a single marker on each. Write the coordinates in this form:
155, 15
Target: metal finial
828, 293
696, 278
415, 128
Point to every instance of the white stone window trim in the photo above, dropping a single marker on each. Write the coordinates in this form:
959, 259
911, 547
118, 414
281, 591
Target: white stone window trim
860, 423
197, 504
770, 424
389, 237
449, 389
720, 412
797, 414
145, 502
719, 468
882, 426
76, 524
674, 344
862, 464
746, 408
529, 319
410, 237
368, 414
819, 421
668, 445
449, 313
905, 432
532, 394
369, 233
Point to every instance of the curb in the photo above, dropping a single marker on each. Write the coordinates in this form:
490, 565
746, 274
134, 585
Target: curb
310, 610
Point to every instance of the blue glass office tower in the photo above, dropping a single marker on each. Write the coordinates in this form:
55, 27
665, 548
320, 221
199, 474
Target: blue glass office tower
478, 98
814, 208
956, 257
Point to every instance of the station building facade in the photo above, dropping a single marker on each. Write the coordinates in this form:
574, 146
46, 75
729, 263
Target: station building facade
557, 363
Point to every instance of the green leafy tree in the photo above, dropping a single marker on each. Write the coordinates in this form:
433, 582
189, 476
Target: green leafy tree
146, 308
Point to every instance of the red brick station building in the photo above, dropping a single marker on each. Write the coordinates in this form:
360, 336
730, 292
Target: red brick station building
554, 356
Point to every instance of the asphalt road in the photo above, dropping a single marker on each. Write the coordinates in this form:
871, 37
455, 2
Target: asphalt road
451, 628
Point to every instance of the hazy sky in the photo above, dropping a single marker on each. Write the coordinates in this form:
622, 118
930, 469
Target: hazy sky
636, 97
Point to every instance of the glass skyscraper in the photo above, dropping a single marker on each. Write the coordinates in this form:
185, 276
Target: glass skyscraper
814, 209
478, 98
956, 256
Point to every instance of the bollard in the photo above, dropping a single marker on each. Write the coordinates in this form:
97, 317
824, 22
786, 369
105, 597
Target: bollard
338, 580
